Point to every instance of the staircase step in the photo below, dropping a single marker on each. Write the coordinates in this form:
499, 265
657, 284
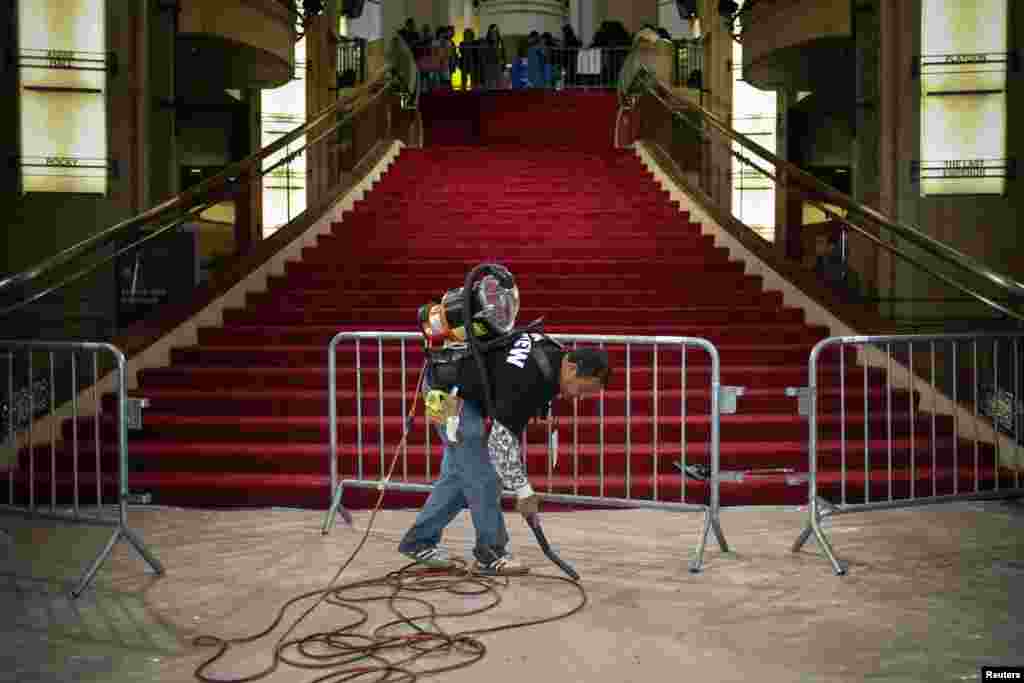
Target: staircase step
385, 233
439, 254
692, 315
434, 246
206, 489
253, 455
230, 489
470, 206
313, 402
519, 217
688, 269
638, 429
246, 355
316, 298
453, 231
322, 334
436, 284
642, 378
413, 282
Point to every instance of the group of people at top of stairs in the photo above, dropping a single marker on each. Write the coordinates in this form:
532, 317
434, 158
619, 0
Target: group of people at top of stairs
542, 61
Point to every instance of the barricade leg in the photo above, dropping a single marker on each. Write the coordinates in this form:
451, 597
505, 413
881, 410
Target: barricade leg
803, 537
121, 532
90, 573
144, 552
336, 507
697, 563
712, 525
716, 526
814, 527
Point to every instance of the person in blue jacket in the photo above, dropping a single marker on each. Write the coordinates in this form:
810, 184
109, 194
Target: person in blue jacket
535, 54
520, 71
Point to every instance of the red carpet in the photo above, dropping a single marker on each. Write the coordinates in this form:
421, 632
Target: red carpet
581, 119
597, 247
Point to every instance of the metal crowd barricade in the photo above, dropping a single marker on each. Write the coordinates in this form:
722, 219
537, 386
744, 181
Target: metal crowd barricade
981, 459
479, 67
37, 469
608, 483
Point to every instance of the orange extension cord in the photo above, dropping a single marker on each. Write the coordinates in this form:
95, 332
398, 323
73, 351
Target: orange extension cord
344, 654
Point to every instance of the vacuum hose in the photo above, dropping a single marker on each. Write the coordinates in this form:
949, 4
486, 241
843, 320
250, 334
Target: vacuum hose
533, 521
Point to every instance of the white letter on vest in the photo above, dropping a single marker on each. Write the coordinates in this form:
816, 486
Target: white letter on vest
520, 352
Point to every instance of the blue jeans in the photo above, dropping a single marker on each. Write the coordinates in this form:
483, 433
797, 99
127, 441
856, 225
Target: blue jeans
468, 479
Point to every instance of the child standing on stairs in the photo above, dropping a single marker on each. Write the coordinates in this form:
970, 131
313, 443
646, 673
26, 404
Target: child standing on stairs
477, 465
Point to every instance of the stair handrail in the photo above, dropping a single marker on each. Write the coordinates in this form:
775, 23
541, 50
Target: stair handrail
351, 104
647, 81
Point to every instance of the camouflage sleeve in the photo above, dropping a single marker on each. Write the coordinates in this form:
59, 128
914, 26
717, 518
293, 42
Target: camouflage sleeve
503, 447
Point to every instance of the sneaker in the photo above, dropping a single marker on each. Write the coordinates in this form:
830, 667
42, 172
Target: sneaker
433, 557
506, 565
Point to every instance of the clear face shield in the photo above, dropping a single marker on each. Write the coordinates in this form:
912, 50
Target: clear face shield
499, 305
496, 300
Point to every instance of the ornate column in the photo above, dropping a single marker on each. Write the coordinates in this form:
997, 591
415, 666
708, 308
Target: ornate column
519, 17
718, 81
633, 13
393, 14
788, 204
163, 148
669, 19
865, 152
321, 77
460, 15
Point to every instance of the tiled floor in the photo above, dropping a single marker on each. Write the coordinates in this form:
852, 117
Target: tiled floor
932, 594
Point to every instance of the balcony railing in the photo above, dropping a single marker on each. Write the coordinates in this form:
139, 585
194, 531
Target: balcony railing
484, 67
351, 62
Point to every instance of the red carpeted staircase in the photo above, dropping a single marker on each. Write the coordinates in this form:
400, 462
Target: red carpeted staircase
597, 247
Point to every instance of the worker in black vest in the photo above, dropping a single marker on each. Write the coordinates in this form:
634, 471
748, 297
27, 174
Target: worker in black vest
478, 464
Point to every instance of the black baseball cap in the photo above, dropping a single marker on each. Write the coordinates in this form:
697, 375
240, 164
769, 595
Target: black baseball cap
591, 362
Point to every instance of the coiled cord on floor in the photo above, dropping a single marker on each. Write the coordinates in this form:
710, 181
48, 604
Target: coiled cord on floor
342, 654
